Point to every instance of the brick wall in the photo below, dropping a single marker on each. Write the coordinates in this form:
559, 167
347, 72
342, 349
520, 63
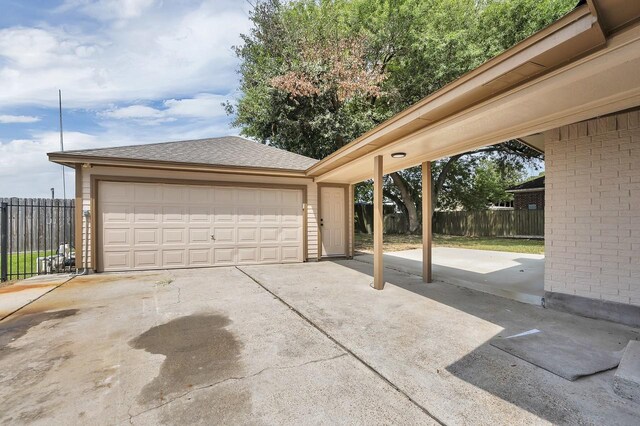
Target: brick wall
521, 200
592, 229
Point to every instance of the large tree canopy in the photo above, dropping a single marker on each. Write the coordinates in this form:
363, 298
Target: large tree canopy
316, 74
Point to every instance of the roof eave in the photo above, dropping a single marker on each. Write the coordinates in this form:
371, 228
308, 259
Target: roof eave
72, 160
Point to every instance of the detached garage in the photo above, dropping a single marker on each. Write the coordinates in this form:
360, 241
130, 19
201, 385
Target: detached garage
201, 203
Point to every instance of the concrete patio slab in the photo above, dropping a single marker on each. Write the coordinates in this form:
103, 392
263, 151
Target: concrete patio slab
431, 341
182, 347
517, 276
15, 296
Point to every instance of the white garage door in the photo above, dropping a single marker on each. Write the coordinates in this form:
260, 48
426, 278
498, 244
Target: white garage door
157, 226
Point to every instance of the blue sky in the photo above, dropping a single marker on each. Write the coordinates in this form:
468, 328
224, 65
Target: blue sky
130, 71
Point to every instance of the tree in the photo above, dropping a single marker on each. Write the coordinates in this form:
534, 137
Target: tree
317, 74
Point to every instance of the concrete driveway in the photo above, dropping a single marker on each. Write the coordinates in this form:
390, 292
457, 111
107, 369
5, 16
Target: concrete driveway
305, 343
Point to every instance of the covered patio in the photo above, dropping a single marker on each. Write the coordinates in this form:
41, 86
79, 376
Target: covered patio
582, 66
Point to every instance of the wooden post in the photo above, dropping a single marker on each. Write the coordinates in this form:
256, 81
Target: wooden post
378, 224
426, 222
352, 227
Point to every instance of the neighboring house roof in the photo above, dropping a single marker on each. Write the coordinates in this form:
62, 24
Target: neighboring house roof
536, 184
228, 151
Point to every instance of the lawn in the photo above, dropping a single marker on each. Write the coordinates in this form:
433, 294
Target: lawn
364, 242
24, 263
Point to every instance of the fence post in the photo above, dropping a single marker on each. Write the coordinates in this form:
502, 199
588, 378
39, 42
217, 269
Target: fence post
4, 241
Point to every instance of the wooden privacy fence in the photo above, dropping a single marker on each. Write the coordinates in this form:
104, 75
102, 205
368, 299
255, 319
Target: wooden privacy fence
490, 223
32, 230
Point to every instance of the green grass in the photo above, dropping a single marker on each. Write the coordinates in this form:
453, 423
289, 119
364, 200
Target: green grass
17, 263
364, 242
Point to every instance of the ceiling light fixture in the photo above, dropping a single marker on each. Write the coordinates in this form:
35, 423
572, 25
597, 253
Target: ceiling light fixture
398, 155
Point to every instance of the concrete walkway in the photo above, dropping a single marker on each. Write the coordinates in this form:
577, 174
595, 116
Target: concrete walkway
516, 276
15, 296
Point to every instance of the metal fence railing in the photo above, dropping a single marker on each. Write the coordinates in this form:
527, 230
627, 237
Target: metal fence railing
36, 237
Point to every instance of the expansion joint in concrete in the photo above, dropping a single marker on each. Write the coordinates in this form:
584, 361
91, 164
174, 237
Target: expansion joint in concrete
343, 347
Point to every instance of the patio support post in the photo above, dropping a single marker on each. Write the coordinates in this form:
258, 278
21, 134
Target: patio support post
426, 221
378, 224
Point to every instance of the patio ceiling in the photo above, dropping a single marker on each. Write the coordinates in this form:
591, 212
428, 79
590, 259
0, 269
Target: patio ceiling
582, 66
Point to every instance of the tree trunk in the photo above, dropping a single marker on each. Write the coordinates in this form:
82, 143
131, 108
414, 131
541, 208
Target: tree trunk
442, 177
408, 201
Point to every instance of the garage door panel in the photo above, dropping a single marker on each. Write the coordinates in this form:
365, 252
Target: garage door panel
290, 235
174, 258
270, 197
269, 215
224, 214
146, 214
269, 254
116, 213
146, 259
199, 257
199, 235
122, 193
291, 198
199, 214
247, 214
224, 195
224, 235
269, 235
291, 254
197, 195
142, 236
247, 235
174, 236
115, 260
152, 226
224, 255
173, 214
117, 237
174, 194
291, 215
247, 196
147, 193
247, 255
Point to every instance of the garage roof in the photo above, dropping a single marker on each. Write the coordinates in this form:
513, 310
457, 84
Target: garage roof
228, 151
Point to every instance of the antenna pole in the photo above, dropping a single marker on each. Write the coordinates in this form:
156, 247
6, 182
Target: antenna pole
64, 184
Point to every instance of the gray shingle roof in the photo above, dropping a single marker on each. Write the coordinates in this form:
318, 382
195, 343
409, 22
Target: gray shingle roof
223, 151
537, 183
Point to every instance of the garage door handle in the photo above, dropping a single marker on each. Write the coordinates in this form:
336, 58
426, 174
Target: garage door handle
213, 238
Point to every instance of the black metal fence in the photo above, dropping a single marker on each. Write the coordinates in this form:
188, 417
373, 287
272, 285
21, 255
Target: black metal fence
36, 237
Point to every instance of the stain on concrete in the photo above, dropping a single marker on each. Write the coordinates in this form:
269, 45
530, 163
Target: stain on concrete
107, 278
14, 328
17, 288
199, 351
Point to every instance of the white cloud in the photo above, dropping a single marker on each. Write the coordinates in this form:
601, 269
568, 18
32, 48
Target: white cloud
161, 49
8, 119
24, 169
203, 106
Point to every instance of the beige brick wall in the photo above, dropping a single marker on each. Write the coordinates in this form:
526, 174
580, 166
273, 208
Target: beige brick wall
592, 211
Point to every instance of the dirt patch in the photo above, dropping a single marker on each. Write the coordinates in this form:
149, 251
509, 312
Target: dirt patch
13, 329
199, 351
